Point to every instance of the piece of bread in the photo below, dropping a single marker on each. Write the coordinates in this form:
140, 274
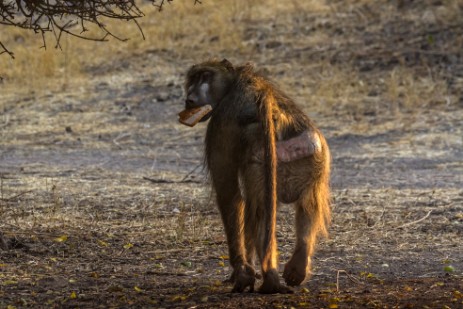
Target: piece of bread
192, 116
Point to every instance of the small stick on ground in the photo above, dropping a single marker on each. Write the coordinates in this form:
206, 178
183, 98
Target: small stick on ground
352, 278
191, 172
415, 222
12, 198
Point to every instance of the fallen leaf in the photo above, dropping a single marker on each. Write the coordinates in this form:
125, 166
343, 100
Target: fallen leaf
449, 269
73, 295
136, 288
62, 238
179, 297
102, 243
457, 294
128, 246
94, 274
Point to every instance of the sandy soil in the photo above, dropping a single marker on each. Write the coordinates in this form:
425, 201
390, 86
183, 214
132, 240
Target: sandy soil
104, 202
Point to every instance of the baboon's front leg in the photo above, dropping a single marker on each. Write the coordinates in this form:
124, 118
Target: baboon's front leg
231, 206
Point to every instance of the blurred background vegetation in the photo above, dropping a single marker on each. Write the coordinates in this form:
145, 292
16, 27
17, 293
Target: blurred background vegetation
185, 29
282, 34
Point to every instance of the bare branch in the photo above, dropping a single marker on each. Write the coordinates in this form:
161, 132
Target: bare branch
6, 50
70, 17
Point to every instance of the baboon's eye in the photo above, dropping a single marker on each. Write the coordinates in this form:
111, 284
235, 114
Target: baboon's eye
206, 76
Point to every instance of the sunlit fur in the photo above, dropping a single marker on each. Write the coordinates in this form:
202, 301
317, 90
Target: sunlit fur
250, 115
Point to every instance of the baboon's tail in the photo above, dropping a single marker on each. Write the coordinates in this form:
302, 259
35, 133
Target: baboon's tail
266, 104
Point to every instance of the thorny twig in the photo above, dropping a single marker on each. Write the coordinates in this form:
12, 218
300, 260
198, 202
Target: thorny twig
6, 50
69, 17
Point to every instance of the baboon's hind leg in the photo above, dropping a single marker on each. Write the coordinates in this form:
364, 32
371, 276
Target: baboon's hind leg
298, 267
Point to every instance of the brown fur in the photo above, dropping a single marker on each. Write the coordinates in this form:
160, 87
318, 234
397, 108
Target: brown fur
251, 116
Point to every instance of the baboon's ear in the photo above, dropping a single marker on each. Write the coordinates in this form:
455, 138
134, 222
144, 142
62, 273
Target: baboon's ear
227, 64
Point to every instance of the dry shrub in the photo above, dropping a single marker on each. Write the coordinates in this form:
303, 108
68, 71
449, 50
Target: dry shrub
212, 29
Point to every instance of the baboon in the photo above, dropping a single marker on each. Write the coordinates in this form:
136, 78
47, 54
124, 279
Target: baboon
261, 149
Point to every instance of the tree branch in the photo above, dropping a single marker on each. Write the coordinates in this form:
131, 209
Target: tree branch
70, 17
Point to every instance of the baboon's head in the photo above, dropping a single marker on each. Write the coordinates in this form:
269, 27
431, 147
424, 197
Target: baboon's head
207, 83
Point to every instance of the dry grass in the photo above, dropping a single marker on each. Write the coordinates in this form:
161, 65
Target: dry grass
226, 29
187, 31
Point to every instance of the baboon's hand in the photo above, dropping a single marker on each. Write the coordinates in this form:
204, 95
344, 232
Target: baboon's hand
244, 276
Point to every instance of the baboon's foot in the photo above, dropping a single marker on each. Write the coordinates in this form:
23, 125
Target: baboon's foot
297, 268
272, 285
243, 276
231, 279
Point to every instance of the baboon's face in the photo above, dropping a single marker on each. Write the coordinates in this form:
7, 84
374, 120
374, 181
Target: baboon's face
207, 83
198, 90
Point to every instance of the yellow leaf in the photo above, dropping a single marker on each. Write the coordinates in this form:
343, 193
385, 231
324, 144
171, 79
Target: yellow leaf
457, 294
53, 259
128, 246
224, 257
333, 306
305, 290
136, 288
72, 280
179, 297
408, 288
102, 243
10, 307
73, 295
221, 263
62, 238
2, 265
10, 282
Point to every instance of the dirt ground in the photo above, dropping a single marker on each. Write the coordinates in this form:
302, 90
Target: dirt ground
104, 202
